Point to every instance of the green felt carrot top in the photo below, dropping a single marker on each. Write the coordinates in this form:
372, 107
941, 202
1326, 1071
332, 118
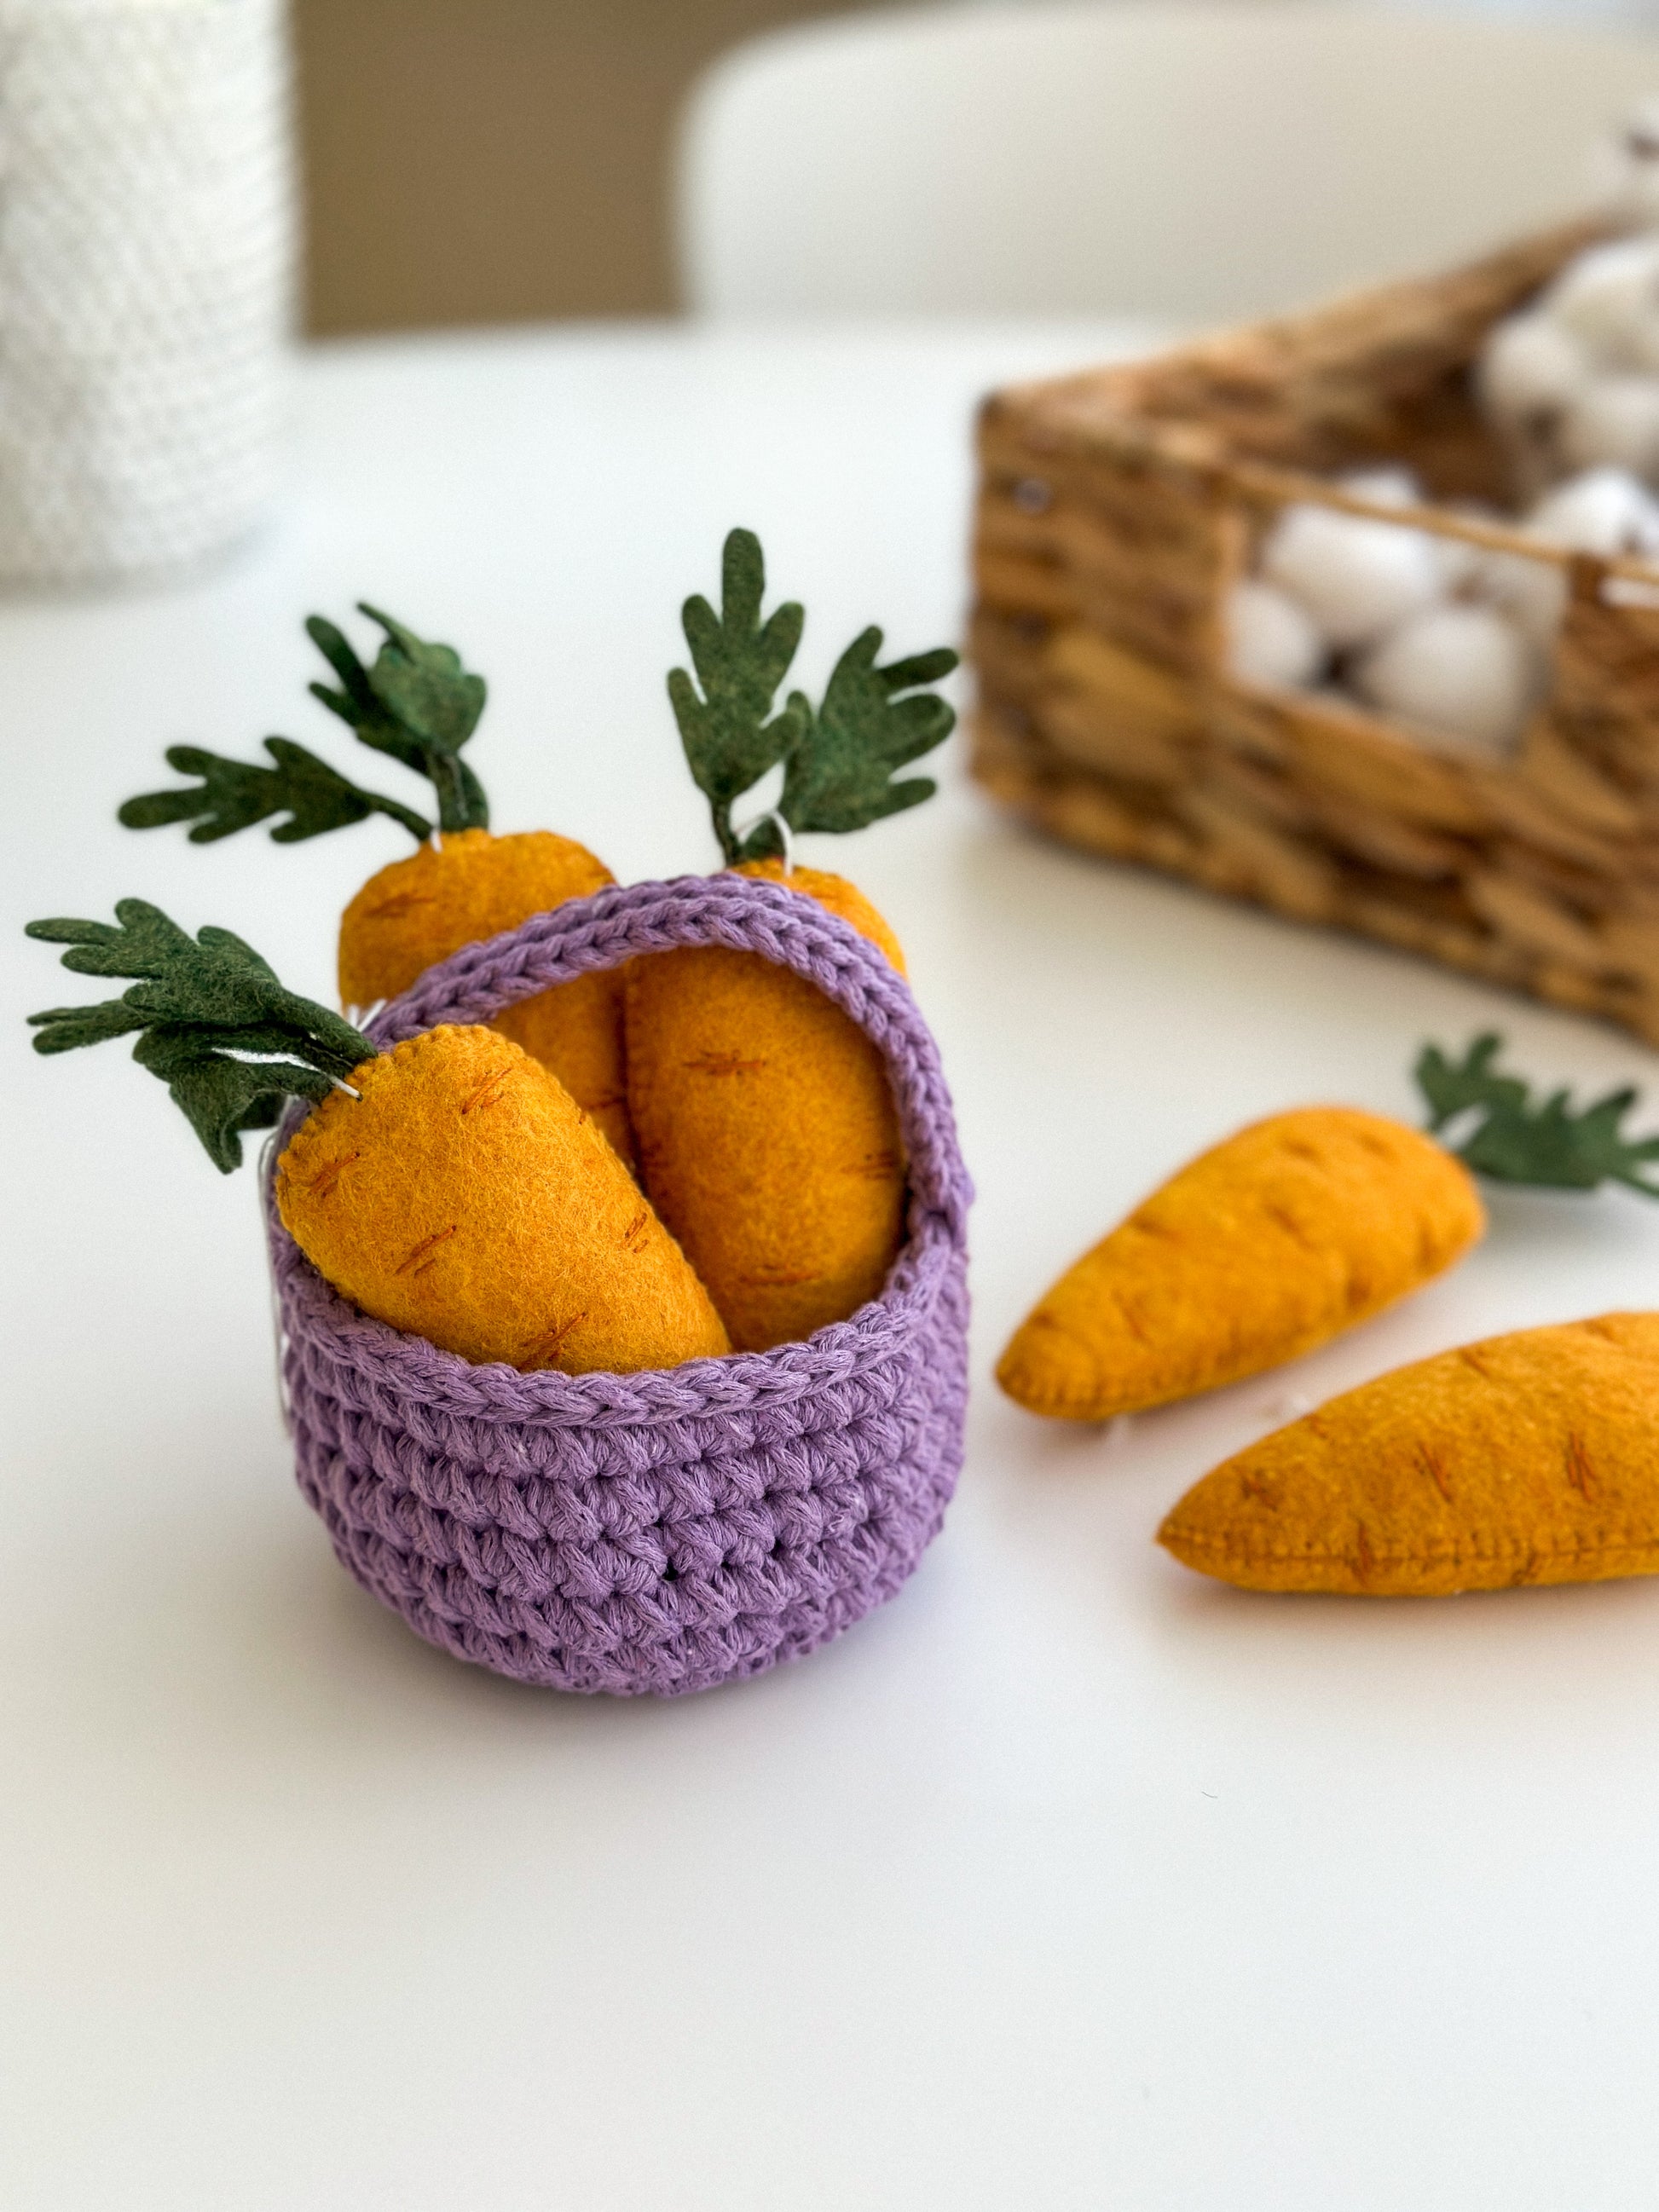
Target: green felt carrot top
419, 704
1509, 1138
214, 1023
416, 702
839, 757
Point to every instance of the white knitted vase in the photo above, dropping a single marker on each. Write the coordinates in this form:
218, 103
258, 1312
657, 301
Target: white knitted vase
146, 266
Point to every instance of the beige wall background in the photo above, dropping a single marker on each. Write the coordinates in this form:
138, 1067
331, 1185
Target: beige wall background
489, 160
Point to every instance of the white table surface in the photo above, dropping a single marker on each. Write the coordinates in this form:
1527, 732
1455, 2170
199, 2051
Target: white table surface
1069, 1879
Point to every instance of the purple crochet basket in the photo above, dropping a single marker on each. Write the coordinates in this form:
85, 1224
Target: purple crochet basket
665, 1531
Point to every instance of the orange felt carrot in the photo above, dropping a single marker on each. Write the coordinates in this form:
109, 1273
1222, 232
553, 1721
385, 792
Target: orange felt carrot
1269, 1244
450, 1187
766, 1131
419, 910
1529, 1458
417, 703
463, 1195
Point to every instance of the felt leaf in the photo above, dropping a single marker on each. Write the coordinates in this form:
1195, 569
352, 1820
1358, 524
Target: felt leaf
336, 648
224, 982
417, 703
233, 795
64, 1028
728, 730
141, 941
1515, 1141
169, 1045
283, 1023
872, 722
376, 728
425, 686
1452, 1086
356, 703
219, 1096
1555, 1147
218, 1026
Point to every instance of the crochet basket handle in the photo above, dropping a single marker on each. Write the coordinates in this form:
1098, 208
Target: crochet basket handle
748, 914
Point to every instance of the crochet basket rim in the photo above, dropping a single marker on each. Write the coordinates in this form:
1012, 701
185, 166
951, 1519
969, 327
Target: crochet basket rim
600, 931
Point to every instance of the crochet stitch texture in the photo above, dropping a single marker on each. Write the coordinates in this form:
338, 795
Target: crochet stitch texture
661, 1532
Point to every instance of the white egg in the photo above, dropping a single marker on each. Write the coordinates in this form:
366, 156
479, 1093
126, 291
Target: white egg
1613, 421
1529, 371
1461, 673
1532, 594
1604, 510
1271, 638
1392, 486
1604, 295
1357, 578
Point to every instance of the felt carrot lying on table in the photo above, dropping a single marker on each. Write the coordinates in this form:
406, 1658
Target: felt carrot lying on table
1527, 1458
1530, 1458
1296, 1228
1272, 1244
450, 1187
419, 705
767, 1133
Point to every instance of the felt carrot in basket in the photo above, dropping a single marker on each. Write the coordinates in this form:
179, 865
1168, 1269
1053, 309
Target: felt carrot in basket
1263, 1247
450, 1187
1527, 1458
766, 1127
417, 704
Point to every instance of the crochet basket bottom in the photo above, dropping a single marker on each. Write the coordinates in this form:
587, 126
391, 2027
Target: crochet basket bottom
658, 1555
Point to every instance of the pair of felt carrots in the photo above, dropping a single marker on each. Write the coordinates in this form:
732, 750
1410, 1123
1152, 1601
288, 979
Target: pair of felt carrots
697, 1153
476, 1204
1529, 1458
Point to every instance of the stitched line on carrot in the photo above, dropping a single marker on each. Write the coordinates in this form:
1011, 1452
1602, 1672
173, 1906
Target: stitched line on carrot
1187, 1380
1588, 1547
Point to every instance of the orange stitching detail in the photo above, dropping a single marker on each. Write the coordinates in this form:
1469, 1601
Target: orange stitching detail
546, 1349
425, 1253
1431, 1466
489, 1090
722, 1063
1581, 1475
322, 1183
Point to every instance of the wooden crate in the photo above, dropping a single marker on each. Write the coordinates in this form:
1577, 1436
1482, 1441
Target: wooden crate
1116, 510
